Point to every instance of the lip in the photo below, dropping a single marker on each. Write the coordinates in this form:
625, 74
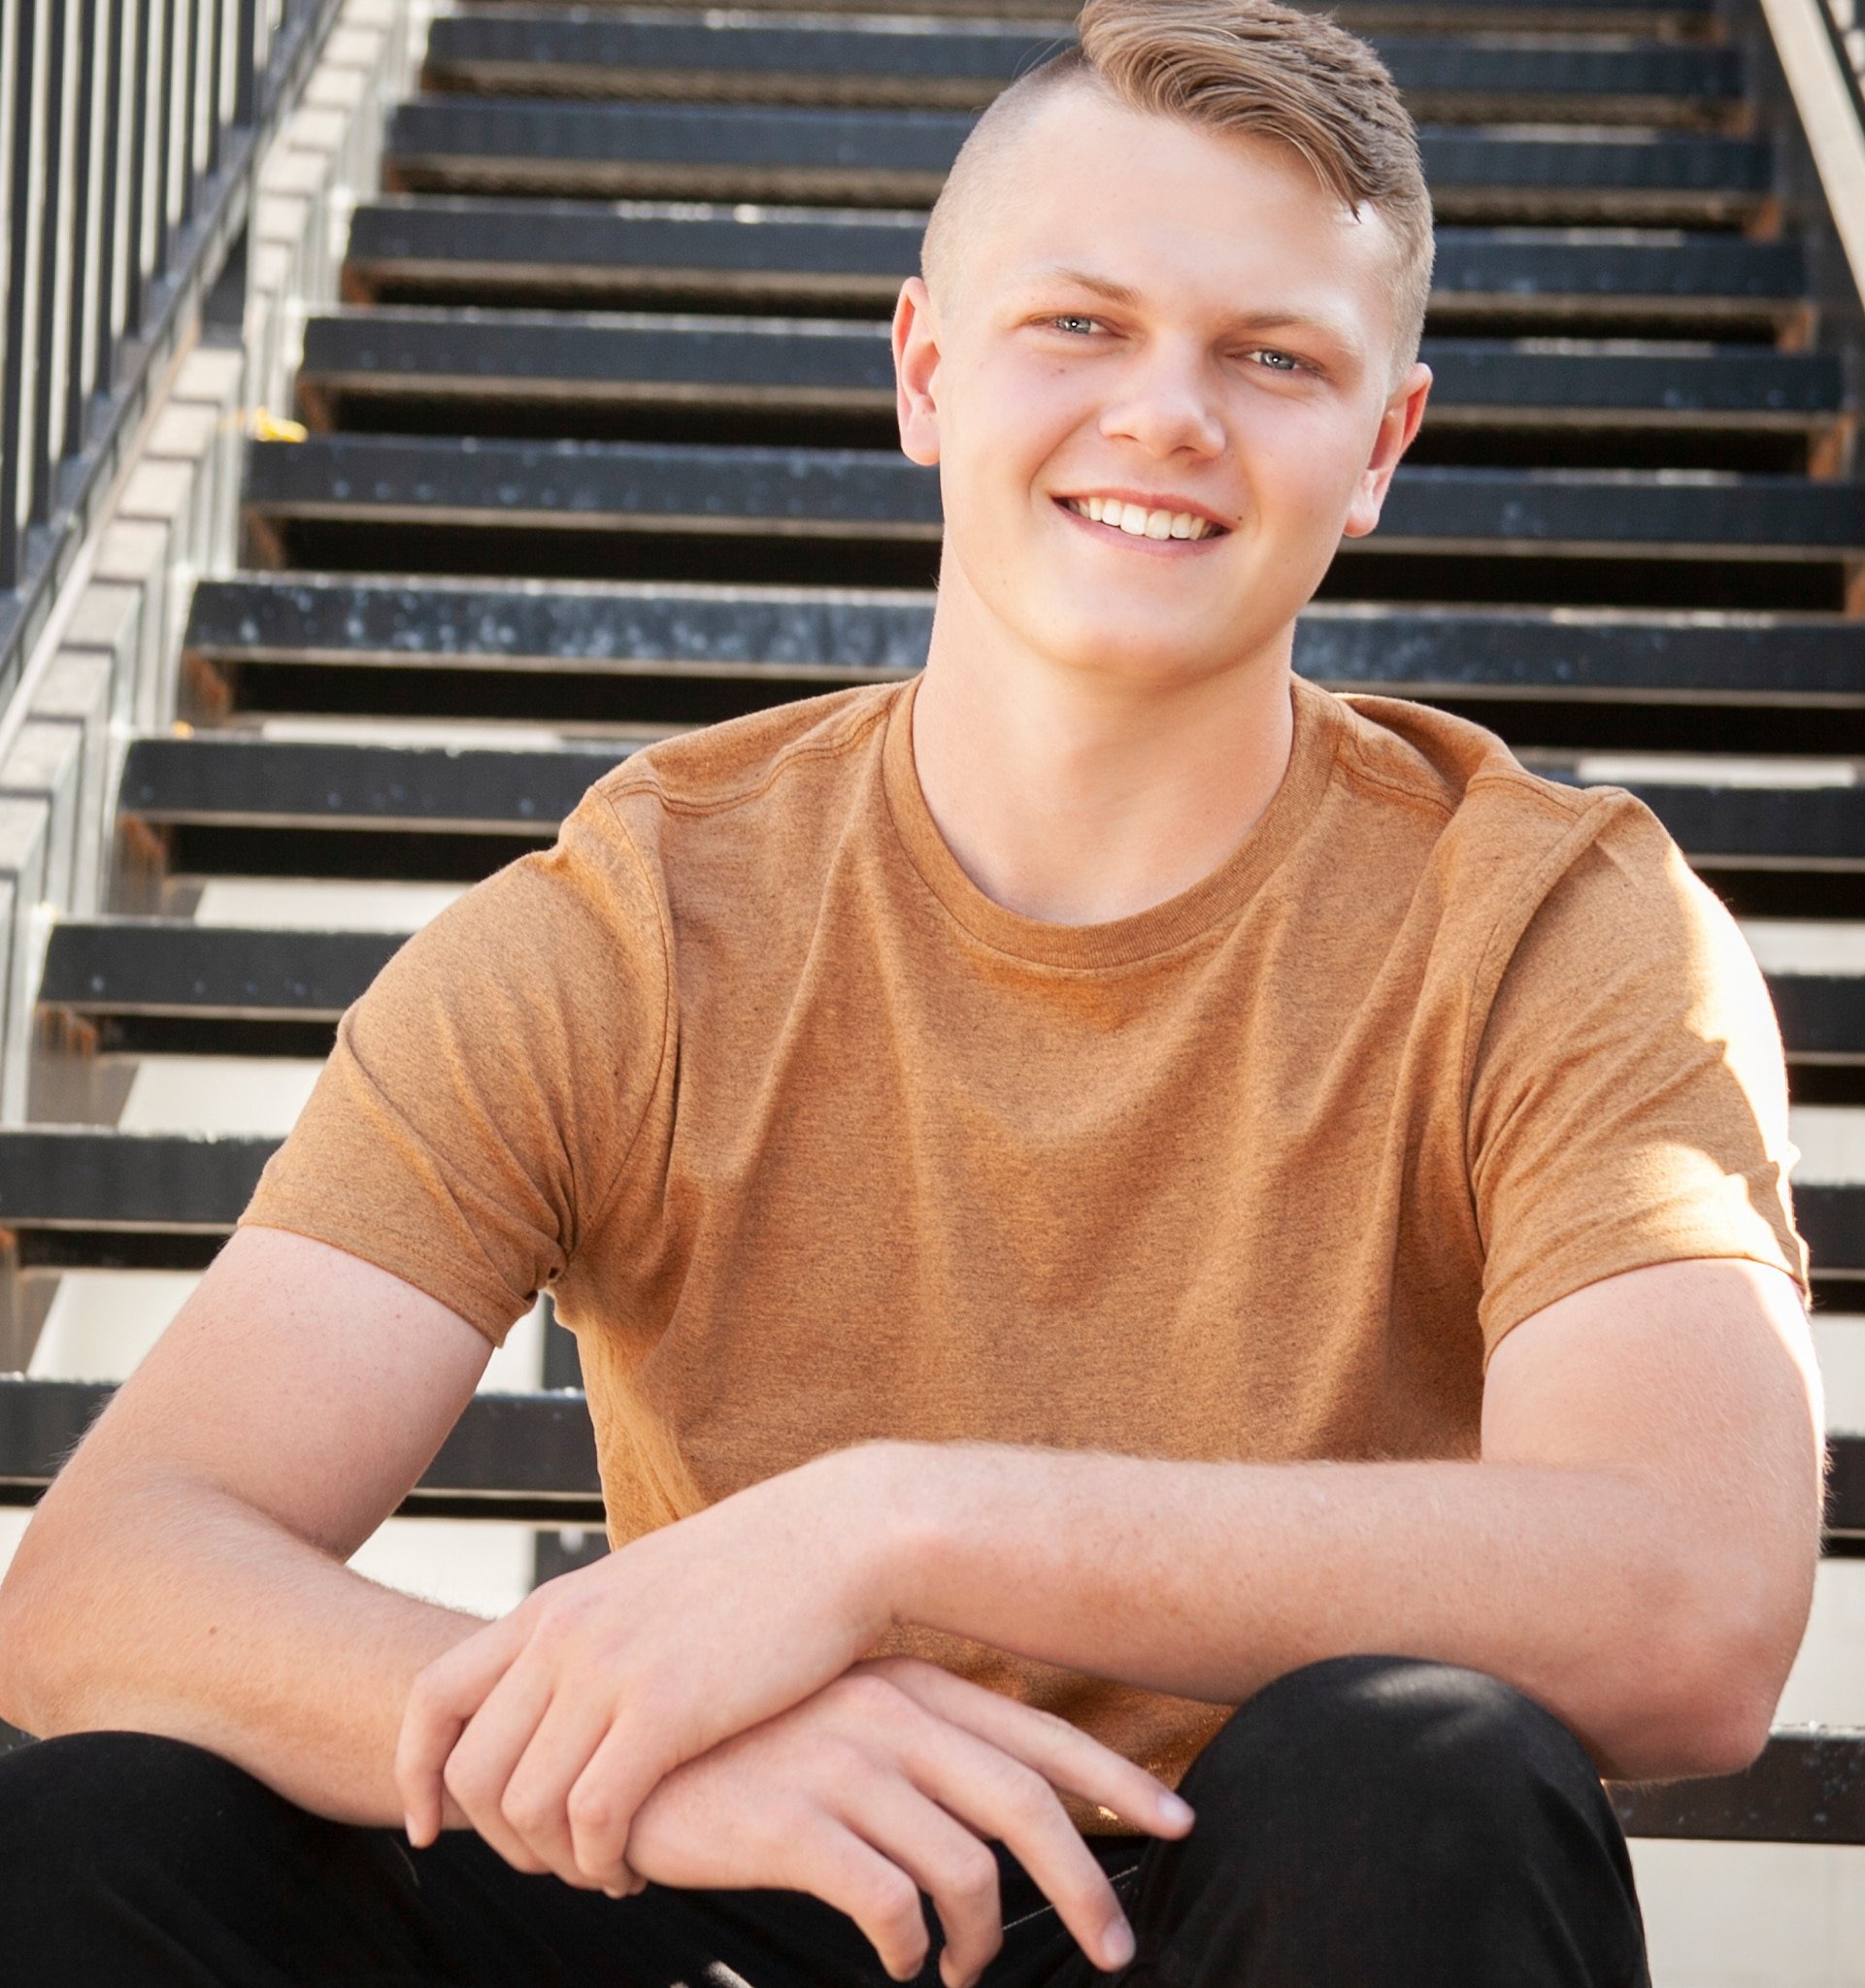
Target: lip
1157, 548
1147, 500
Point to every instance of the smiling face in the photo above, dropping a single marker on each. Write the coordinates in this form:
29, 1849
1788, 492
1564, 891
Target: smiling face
1158, 385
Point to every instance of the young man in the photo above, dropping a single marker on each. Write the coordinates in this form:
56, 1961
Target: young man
1101, 1188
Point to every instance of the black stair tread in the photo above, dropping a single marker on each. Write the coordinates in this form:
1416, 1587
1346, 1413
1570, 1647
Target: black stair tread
638, 248
104, 1181
869, 494
510, 1456
1742, 827
536, 1445
527, 790
1831, 1217
1809, 1786
880, 157
834, 363
842, 636
1821, 1015
294, 783
174, 967
1468, 15
630, 54
100, 1178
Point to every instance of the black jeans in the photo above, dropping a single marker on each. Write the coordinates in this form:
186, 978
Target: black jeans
1369, 1822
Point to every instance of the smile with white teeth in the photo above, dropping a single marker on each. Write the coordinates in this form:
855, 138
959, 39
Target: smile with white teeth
1140, 523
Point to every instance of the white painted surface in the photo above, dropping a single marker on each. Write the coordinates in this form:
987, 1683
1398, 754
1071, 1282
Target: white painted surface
321, 905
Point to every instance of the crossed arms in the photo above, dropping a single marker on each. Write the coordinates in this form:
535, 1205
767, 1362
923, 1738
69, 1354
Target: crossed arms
1635, 1549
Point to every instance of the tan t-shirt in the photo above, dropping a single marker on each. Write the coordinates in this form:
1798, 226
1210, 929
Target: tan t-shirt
813, 1142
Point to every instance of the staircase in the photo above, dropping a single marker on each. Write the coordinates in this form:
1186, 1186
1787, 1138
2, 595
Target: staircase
600, 444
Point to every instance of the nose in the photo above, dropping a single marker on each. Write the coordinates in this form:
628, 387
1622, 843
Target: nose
1162, 404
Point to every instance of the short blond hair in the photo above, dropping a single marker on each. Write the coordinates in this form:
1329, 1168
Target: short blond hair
1247, 67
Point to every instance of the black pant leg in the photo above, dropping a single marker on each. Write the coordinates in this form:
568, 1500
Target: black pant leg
1378, 1822
128, 1861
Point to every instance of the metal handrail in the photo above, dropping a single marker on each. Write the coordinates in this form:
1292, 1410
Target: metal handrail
130, 132
1820, 44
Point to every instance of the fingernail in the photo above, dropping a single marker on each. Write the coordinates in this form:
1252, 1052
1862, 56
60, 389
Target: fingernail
1174, 1812
1117, 1945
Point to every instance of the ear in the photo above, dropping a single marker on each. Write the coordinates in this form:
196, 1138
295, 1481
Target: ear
1398, 424
915, 366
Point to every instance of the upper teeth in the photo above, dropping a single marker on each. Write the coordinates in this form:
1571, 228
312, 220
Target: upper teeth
1141, 523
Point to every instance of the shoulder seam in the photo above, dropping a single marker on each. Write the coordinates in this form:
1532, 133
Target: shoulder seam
646, 780
1354, 764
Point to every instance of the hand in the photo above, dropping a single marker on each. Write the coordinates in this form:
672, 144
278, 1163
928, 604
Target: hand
891, 1781
548, 1727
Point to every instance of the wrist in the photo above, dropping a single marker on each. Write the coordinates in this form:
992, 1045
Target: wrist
884, 1498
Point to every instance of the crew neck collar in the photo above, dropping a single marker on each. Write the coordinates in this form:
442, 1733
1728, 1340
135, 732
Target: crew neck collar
1120, 942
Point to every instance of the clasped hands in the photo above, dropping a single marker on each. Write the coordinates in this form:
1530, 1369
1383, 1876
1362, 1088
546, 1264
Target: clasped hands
694, 1710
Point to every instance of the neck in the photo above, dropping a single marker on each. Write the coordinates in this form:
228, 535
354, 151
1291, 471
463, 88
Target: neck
1077, 798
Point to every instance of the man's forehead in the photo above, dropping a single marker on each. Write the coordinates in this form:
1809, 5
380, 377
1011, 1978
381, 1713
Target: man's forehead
1144, 206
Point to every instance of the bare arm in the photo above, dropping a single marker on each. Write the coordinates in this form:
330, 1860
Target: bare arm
184, 1572
1634, 1551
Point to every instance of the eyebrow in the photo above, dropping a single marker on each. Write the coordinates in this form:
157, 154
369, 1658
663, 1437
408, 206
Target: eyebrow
1248, 321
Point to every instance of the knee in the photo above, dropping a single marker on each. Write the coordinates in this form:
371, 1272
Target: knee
79, 1801
1400, 1745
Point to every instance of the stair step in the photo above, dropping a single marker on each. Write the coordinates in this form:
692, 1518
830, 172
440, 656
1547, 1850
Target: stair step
233, 806
98, 1198
1770, 852
583, 253
1682, 19
167, 986
156, 986
1671, 18
627, 510
87, 1197
891, 158
1808, 1787
956, 64
361, 368
510, 1456
605, 658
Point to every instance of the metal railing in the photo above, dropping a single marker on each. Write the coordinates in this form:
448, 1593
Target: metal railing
129, 132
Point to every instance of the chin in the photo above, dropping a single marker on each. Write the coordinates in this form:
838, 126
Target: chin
1133, 652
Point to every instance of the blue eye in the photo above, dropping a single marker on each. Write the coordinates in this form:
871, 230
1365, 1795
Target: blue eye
1279, 362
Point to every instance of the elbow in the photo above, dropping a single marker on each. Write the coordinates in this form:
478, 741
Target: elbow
17, 1642
1698, 1697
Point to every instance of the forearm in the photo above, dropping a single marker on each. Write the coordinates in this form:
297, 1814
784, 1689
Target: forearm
180, 1611
1579, 1587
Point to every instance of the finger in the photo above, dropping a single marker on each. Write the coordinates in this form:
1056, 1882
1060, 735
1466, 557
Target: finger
829, 1861
602, 1801
951, 1864
535, 1800
442, 1699
489, 1748
994, 1795
1065, 1756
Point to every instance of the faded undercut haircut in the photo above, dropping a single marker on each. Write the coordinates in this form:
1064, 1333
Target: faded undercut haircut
1248, 67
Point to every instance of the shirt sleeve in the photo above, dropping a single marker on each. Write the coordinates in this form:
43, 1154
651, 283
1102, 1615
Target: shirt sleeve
482, 1093
1628, 1098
